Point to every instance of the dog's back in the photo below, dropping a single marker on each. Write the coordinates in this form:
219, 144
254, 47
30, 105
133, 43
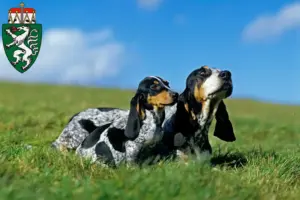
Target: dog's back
84, 123
105, 145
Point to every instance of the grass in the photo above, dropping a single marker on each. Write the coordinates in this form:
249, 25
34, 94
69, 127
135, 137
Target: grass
264, 162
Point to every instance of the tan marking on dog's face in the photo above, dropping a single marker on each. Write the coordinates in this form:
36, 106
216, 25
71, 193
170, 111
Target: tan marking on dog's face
140, 111
156, 82
158, 108
161, 99
199, 93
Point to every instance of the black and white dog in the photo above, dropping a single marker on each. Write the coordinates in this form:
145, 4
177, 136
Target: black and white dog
111, 135
187, 123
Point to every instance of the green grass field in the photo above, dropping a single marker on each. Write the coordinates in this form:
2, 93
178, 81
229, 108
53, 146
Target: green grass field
264, 162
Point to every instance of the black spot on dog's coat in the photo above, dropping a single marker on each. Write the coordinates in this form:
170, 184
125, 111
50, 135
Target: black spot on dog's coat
93, 138
117, 138
103, 152
87, 125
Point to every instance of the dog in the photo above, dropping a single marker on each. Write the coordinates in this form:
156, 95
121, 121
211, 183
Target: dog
114, 134
187, 123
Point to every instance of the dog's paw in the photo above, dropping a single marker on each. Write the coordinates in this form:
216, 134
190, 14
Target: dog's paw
182, 157
62, 148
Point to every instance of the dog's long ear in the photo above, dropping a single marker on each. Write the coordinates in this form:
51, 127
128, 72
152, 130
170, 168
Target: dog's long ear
223, 129
135, 117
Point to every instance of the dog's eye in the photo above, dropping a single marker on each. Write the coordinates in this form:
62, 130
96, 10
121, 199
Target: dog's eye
203, 73
154, 87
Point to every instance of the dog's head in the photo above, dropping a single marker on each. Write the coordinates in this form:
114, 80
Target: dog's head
211, 84
153, 93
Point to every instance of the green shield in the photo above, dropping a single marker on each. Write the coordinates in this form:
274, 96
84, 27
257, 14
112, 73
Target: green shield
22, 44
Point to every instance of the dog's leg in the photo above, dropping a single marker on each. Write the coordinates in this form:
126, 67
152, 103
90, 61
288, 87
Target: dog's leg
71, 137
182, 156
202, 148
196, 148
132, 150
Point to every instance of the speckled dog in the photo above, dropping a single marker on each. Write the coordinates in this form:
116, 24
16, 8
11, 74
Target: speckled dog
110, 132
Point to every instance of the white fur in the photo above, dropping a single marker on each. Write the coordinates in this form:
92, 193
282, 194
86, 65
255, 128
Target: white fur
213, 83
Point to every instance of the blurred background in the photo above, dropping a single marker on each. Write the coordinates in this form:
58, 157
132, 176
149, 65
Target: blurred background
115, 43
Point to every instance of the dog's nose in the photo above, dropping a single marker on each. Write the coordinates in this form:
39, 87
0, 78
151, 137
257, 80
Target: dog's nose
225, 74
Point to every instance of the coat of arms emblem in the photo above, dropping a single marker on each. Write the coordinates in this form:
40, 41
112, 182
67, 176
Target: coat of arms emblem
22, 37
